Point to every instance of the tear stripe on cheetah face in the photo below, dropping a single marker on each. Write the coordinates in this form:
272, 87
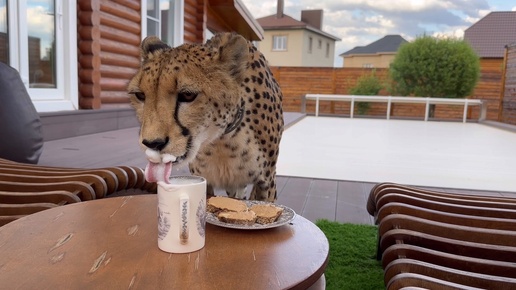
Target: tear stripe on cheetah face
187, 97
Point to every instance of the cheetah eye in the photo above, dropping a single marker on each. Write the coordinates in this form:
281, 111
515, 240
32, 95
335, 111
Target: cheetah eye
186, 96
140, 96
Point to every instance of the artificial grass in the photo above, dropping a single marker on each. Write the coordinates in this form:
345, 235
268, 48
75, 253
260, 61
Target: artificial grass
352, 263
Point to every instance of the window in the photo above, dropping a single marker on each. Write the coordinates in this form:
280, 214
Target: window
279, 43
4, 36
310, 43
39, 39
319, 45
327, 50
367, 65
164, 19
153, 18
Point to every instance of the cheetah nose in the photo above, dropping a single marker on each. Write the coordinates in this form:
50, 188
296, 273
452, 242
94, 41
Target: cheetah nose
156, 144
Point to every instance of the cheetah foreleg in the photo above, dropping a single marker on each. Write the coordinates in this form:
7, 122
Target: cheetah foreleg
239, 193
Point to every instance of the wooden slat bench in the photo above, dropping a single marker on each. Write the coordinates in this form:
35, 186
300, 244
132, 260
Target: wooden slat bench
436, 240
27, 188
394, 99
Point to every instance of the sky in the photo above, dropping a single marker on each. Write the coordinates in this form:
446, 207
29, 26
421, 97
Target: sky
40, 18
361, 22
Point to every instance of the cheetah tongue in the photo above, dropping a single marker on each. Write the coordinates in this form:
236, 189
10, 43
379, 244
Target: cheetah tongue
155, 172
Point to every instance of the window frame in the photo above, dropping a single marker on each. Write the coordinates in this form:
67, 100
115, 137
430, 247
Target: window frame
65, 96
279, 42
176, 35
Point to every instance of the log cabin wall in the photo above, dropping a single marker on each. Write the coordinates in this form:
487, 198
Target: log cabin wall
195, 21
108, 40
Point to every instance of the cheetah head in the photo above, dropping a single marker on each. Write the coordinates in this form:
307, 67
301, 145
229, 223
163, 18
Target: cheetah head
186, 97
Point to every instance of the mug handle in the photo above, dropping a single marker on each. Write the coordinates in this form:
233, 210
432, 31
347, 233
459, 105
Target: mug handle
184, 212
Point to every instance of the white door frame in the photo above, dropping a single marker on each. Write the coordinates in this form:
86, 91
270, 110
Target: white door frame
65, 96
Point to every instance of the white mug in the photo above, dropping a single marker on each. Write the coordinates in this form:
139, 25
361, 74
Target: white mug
182, 214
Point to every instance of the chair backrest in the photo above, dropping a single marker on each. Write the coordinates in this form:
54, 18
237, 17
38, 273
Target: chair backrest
447, 245
468, 279
22, 138
457, 262
450, 216
412, 281
445, 230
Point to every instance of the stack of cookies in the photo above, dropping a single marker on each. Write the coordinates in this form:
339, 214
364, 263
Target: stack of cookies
235, 211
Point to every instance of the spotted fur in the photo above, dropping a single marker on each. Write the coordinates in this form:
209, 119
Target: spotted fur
217, 106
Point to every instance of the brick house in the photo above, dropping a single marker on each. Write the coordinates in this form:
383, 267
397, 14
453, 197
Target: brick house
80, 54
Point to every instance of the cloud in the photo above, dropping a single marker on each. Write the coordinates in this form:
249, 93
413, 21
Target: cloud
3, 19
40, 22
360, 22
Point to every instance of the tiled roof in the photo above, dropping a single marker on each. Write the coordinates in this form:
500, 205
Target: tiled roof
275, 22
489, 36
286, 22
389, 43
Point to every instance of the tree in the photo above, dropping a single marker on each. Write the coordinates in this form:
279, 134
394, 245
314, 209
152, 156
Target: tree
435, 67
367, 85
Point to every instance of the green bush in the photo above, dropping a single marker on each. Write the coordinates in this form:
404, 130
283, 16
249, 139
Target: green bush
435, 67
367, 85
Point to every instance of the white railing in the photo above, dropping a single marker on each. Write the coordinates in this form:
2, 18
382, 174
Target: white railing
390, 100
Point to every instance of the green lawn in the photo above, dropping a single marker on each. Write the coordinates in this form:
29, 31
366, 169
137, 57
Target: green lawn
352, 264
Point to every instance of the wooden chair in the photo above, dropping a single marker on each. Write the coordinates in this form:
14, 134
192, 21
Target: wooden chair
27, 188
412, 281
447, 245
453, 261
379, 190
458, 277
439, 240
476, 216
446, 230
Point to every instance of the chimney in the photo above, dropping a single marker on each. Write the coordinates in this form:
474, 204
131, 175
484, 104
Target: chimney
313, 18
279, 13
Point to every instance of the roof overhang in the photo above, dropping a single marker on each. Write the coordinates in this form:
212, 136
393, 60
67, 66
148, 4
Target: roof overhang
320, 32
367, 54
235, 16
303, 27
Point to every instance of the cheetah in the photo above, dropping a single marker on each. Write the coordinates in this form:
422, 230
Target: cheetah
214, 106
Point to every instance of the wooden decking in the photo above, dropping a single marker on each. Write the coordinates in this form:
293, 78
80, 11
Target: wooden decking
338, 200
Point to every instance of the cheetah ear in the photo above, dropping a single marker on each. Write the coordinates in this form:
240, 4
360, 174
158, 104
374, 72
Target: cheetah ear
233, 54
152, 46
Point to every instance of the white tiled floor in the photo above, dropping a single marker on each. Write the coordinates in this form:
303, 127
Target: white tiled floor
438, 154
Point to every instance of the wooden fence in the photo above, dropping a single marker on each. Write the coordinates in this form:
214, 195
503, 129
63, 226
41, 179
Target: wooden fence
295, 82
508, 102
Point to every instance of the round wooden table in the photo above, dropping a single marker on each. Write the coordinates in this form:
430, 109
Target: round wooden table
112, 244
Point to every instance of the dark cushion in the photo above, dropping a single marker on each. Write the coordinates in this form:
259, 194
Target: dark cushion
20, 126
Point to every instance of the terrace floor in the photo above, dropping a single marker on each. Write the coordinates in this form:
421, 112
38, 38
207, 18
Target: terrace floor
318, 179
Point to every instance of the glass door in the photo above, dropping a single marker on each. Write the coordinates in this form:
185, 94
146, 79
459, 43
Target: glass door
39, 39
164, 19
4, 36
